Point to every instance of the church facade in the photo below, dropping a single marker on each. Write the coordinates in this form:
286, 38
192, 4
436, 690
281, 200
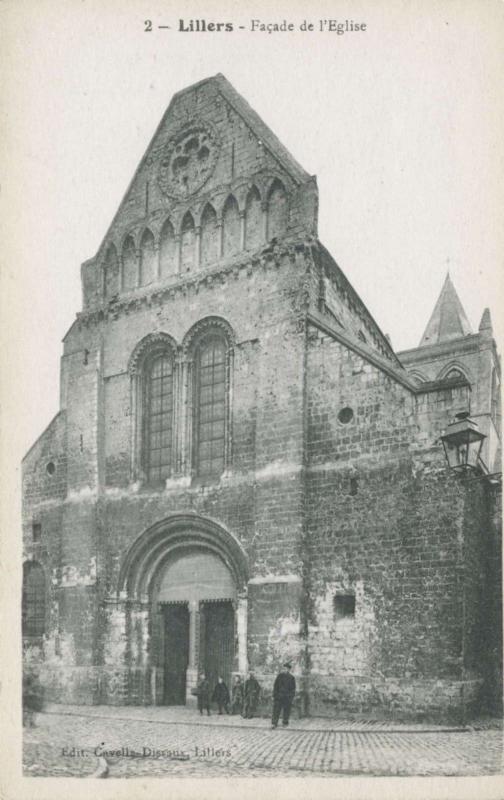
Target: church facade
243, 470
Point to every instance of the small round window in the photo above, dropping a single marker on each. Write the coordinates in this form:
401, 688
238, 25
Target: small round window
345, 415
51, 468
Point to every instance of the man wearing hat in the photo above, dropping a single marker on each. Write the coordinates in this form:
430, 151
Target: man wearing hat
284, 690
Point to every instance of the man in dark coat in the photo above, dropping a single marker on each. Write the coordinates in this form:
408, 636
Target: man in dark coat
203, 692
221, 695
284, 690
251, 698
237, 696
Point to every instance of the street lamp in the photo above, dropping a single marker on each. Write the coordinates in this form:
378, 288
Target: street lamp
462, 444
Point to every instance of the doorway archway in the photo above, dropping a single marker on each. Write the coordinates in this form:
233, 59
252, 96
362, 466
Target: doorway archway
193, 604
191, 576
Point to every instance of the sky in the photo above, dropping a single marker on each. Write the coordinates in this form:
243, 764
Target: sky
401, 124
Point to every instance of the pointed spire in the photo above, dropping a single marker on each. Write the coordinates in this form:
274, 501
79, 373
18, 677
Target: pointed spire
448, 320
485, 325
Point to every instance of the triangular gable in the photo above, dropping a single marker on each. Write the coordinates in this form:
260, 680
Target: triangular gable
198, 102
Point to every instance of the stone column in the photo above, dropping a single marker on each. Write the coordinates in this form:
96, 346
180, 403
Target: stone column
220, 238
264, 209
228, 420
197, 247
178, 253
179, 414
114, 672
137, 262
194, 630
242, 230
186, 418
241, 632
157, 251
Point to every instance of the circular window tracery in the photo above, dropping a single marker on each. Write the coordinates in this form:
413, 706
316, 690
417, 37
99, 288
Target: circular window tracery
188, 160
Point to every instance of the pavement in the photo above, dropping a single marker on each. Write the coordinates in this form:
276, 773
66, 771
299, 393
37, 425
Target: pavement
112, 741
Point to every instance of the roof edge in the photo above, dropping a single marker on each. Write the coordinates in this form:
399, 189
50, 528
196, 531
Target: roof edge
241, 107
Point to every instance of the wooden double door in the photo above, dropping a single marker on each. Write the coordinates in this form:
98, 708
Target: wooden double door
176, 652
216, 646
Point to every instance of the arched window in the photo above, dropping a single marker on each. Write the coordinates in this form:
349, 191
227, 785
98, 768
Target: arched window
167, 251
417, 377
147, 259
153, 372
231, 227
277, 211
209, 236
129, 264
111, 273
210, 410
158, 417
454, 374
187, 244
253, 220
34, 600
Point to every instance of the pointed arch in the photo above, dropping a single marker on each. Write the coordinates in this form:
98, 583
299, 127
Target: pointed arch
277, 211
209, 235
454, 370
148, 266
167, 251
417, 376
231, 227
187, 243
129, 264
111, 272
253, 220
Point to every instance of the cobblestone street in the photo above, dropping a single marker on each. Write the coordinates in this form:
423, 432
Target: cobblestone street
67, 741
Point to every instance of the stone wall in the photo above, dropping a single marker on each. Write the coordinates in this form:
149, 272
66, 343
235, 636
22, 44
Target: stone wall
258, 498
391, 528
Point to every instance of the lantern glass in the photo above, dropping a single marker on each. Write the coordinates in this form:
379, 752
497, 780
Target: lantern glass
462, 444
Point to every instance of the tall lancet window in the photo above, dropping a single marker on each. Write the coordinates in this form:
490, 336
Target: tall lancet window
187, 243
129, 264
277, 211
231, 227
167, 251
111, 273
148, 270
209, 236
158, 408
253, 220
210, 407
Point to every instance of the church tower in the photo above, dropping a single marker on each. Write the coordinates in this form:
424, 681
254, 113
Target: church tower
449, 349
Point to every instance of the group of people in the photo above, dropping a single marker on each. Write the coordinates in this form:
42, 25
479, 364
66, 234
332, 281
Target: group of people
244, 698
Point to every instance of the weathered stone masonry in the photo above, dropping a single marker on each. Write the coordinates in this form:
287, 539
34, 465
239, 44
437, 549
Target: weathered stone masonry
304, 509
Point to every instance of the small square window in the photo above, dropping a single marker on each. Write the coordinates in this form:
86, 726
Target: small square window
36, 531
344, 606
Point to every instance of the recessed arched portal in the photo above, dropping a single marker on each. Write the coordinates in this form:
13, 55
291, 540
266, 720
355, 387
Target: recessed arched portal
191, 575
